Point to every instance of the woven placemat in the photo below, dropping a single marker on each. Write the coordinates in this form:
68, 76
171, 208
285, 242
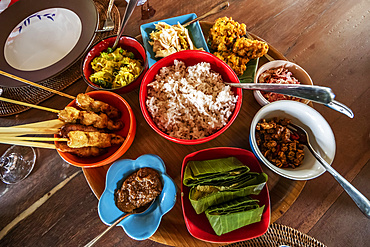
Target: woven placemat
277, 235
35, 95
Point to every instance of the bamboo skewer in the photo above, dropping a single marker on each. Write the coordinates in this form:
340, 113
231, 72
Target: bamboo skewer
29, 105
32, 138
54, 123
28, 143
27, 131
36, 85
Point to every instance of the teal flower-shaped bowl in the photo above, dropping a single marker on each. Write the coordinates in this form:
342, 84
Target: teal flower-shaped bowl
141, 226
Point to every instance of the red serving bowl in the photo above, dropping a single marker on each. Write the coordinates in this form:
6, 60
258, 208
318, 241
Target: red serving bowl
190, 58
126, 43
198, 224
128, 132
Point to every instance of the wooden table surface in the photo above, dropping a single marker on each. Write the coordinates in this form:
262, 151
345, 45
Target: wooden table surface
329, 39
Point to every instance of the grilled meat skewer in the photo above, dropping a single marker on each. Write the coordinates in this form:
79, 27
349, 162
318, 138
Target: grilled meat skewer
65, 129
72, 115
79, 139
87, 103
81, 152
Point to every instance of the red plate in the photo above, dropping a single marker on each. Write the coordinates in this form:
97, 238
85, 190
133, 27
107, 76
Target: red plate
198, 224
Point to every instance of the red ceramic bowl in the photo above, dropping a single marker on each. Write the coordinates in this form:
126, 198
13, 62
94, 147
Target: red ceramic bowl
189, 57
198, 224
126, 43
128, 131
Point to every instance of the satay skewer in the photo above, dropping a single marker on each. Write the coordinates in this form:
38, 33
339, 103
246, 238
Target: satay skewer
27, 131
27, 143
36, 85
84, 101
29, 105
76, 139
58, 127
71, 115
36, 138
53, 123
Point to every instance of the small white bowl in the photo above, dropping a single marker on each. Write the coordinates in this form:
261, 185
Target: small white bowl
320, 134
298, 72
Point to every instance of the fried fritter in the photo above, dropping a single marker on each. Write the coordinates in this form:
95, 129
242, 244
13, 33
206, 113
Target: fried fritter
226, 38
237, 63
224, 33
251, 49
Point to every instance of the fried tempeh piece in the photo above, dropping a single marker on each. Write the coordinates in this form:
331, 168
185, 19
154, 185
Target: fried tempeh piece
81, 152
101, 121
89, 104
79, 139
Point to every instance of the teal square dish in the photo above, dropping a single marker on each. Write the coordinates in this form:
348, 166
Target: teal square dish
195, 32
140, 226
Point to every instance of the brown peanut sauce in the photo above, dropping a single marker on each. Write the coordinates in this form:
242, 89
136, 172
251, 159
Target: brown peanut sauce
138, 189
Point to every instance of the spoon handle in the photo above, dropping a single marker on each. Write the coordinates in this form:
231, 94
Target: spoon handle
361, 201
322, 95
335, 105
213, 11
128, 12
93, 241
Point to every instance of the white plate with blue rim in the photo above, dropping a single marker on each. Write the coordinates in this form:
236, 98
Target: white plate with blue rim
40, 39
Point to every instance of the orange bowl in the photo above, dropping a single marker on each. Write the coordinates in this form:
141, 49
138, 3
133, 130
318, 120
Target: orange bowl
113, 152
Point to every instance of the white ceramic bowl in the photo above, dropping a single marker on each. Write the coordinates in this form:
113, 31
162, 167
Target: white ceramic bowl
320, 134
298, 72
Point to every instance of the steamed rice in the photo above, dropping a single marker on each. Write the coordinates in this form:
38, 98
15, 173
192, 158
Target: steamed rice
190, 102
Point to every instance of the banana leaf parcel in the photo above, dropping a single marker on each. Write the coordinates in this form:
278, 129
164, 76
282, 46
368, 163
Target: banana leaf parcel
234, 214
220, 180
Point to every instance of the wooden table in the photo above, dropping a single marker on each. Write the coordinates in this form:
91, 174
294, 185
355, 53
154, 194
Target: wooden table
328, 39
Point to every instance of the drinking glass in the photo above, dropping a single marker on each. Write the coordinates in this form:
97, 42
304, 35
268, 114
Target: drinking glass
16, 164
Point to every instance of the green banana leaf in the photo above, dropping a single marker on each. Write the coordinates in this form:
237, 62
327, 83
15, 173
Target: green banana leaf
249, 73
206, 195
197, 172
234, 214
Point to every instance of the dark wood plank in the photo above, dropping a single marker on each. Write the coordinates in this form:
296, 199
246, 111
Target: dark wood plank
348, 223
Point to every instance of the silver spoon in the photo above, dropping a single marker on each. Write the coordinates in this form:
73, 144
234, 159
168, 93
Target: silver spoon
213, 11
318, 94
361, 201
140, 210
128, 12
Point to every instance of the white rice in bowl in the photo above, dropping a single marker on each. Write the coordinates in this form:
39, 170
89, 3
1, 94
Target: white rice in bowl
190, 102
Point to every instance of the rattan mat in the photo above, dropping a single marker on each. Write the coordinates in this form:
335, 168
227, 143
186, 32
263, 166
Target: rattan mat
35, 95
278, 235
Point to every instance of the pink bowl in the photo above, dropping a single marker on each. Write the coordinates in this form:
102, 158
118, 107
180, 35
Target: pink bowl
190, 58
126, 43
198, 224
